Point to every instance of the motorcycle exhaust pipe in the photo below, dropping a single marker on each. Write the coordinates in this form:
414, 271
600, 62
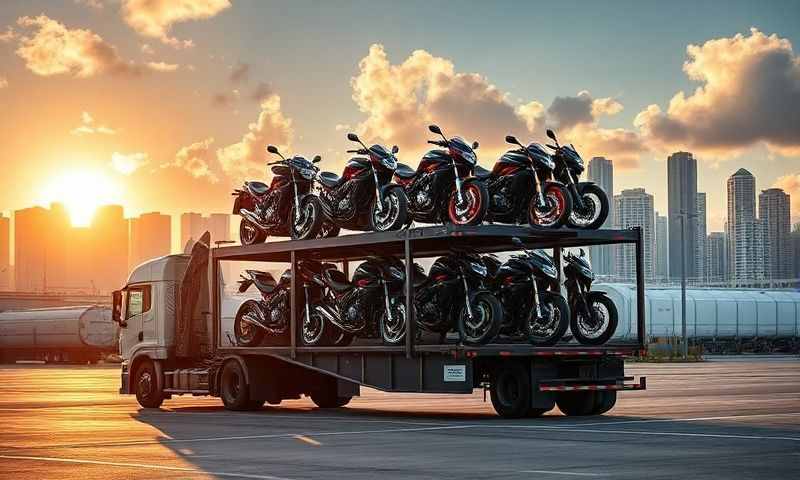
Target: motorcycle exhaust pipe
252, 218
331, 318
251, 321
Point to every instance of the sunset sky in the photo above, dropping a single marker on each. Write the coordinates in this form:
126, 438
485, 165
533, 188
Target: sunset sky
167, 105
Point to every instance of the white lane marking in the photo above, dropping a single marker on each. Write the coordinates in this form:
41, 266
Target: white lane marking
696, 419
299, 416
640, 432
141, 465
558, 472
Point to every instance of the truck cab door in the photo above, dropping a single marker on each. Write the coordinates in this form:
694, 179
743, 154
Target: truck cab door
136, 308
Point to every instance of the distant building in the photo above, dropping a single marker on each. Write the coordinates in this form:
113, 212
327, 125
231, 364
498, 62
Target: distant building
745, 232
219, 224
634, 208
193, 225
601, 172
773, 211
150, 237
109, 240
700, 257
795, 238
30, 247
5, 253
717, 264
682, 199
662, 248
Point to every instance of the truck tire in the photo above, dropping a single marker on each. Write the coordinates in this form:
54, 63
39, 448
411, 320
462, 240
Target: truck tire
511, 390
326, 394
576, 404
233, 388
605, 401
147, 386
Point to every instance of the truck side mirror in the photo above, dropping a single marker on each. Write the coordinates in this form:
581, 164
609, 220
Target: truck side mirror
116, 309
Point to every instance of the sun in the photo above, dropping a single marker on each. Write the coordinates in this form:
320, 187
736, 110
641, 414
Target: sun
81, 192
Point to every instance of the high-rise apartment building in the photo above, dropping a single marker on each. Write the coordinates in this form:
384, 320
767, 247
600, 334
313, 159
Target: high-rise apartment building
717, 263
150, 237
30, 249
5, 253
662, 248
745, 231
634, 208
795, 239
682, 200
773, 211
700, 257
193, 225
601, 172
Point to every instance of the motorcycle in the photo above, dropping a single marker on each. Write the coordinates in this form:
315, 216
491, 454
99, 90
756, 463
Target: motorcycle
454, 296
589, 202
285, 207
520, 190
267, 316
364, 198
594, 315
443, 188
529, 306
372, 304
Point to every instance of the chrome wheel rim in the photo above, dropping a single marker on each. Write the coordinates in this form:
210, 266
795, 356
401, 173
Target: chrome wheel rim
312, 328
390, 209
476, 325
590, 212
248, 232
395, 329
302, 226
594, 327
552, 210
547, 324
145, 385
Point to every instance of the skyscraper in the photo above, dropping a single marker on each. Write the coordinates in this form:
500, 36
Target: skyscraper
745, 231
682, 199
30, 248
662, 248
795, 238
151, 237
773, 211
700, 245
601, 172
5, 253
109, 240
634, 208
716, 265
219, 224
192, 226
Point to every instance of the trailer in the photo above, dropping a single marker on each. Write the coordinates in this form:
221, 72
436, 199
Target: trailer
524, 380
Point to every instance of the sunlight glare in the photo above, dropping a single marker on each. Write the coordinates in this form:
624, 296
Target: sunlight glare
81, 192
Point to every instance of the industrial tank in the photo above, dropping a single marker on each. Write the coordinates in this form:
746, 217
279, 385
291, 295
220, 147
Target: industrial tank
66, 333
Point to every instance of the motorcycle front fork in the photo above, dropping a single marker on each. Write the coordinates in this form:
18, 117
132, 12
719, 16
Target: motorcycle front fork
536, 298
386, 301
459, 194
308, 304
378, 199
296, 200
539, 189
466, 296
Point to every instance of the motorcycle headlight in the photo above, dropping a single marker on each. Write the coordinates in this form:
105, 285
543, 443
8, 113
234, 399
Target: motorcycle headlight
306, 173
469, 156
389, 162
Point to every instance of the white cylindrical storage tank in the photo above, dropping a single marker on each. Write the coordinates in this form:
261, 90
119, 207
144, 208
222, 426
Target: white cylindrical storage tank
67, 327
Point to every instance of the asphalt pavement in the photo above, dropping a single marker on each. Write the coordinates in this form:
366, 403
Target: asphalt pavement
717, 419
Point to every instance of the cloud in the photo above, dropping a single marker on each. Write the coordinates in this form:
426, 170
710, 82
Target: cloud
224, 99
240, 72
791, 185
147, 49
247, 156
96, 4
126, 164
55, 50
749, 93
162, 66
342, 127
89, 127
401, 100
155, 18
196, 159
261, 92
8, 36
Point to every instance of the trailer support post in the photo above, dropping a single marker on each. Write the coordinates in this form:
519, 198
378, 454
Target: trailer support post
410, 318
640, 321
293, 306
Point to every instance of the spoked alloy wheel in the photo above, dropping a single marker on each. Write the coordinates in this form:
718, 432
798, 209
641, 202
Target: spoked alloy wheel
247, 334
594, 211
484, 324
555, 212
313, 328
598, 328
393, 331
551, 326
250, 234
392, 213
309, 222
472, 209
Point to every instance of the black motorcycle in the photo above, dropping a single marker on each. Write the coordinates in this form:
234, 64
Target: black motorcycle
267, 316
370, 305
589, 201
530, 308
443, 188
454, 296
594, 315
285, 207
364, 198
520, 190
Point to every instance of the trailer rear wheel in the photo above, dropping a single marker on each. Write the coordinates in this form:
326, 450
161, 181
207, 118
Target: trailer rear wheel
605, 401
576, 404
234, 390
511, 391
326, 394
146, 384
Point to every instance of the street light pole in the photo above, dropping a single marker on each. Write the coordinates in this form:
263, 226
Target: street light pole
685, 342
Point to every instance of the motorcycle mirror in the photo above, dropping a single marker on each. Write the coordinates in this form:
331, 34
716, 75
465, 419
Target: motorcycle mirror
475, 145
435, 129
353, 137
272, 149
551, 134
395, 149
512, 140
316, 159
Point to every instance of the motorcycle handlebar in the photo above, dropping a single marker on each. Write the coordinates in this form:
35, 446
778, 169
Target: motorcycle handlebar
437, 142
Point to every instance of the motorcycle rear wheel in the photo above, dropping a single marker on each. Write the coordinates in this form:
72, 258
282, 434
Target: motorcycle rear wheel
250, 234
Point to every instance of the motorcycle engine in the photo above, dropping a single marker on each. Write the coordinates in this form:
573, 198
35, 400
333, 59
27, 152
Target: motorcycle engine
420, 193
344, 204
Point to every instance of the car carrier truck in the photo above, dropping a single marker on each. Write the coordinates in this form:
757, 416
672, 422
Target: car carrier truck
172, 340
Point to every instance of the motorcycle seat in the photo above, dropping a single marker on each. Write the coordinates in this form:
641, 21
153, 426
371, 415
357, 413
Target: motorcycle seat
262, 280
404, 171
257, 188
336, 280
481, 172
329, 179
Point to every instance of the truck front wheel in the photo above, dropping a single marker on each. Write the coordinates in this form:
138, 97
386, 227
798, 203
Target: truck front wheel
233, 389
148, 392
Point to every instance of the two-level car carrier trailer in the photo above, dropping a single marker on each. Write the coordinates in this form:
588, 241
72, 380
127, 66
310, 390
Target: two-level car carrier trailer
524, 380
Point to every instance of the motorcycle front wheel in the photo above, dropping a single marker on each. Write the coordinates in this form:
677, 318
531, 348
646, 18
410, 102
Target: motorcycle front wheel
309, 222
391, 213
314, 328
547, 330
250, 234
247, 334
595, 208
556, 210
393, 331
484, 324
473, 207
598, 328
